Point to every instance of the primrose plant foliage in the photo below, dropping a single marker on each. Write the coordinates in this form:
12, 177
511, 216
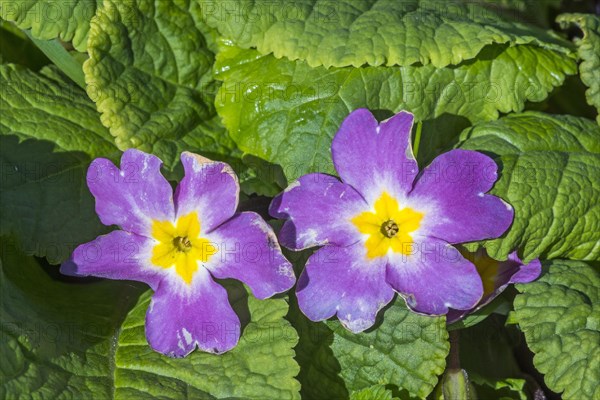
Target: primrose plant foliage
177, 243
308, 199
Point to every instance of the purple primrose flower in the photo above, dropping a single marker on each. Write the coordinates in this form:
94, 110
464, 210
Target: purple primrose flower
496, 276
177, 244
387, 228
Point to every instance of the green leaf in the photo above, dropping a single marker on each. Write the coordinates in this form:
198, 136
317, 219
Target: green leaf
44, 201
559, 315
260, 367
73, 340
48, 19
589, 52
46, 106
550, 174
406, 350
377, 392
487, 354
486, 350
49, 132
57, 337
149, 73
319, 369
569, 98
533, 11
260, 177
16, 47
287, 113
60, 57
500, 305
506, 389
373, 32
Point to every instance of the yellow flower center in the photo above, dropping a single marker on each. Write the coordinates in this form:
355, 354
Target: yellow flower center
181, 246
389, 227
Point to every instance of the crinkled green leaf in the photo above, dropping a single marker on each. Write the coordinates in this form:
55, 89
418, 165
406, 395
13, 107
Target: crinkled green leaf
48, 19
374, 32
50, 131
73, 340
589, 52
550, 174
405, 350
560, 316
377, 392
45, 106
260, 367
57, 337
149, 73
287, 113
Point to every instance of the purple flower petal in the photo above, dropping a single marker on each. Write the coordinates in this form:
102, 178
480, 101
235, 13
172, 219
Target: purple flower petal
117, 255
527, 272
180, 318
210, 188
434, 277
132, 196
340, 280
504, 273
318, 208
457, 181
248, 251
369, 156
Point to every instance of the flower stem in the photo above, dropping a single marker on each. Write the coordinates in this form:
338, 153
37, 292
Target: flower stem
417, 139
454, 357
